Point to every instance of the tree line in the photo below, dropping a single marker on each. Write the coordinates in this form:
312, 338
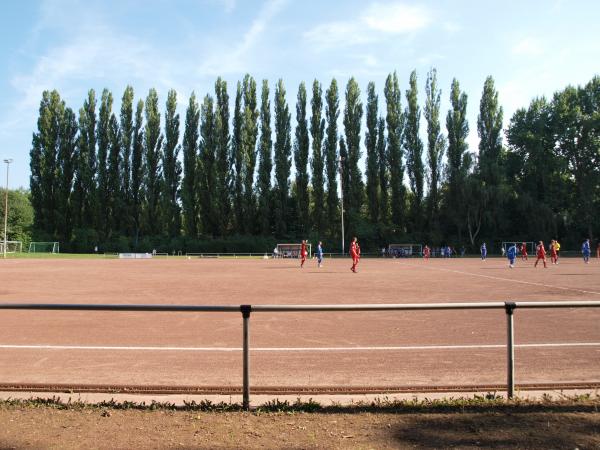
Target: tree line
133, 178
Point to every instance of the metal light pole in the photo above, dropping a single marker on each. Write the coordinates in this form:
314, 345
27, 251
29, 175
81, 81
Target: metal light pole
341, 160
7, 161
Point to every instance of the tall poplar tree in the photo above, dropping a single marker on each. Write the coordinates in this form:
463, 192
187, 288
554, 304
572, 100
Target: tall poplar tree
373, 181
332, 112
171, 169
137, 170
207, 188
114, 204
283, 160
84, 191
317, 129
249, 136
126, 149
414, 151
435, 146
265, 166
189, 195
458, 158
238, 162
382, 172
395, 130
103, 139
65, 174
301, 145
223, 156
352, 119
153, 142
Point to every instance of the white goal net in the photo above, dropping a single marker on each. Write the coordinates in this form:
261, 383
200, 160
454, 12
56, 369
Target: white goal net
44, 247
290, 251
11, 246
404, 250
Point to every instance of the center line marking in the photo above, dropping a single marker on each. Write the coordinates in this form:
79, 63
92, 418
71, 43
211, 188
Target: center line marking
297, 349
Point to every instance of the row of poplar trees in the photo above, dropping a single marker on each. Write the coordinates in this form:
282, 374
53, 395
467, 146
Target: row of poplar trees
118, 176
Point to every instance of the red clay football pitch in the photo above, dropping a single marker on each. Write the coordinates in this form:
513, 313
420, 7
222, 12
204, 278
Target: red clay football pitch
333, 350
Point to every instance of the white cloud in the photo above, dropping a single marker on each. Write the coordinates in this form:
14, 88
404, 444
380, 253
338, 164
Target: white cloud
396, 18
376, 22
528, 47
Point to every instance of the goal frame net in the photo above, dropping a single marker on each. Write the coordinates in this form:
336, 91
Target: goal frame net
291, 250
529, 245
404, 250
12, 246
44, 247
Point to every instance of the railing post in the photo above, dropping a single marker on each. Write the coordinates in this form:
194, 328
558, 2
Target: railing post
510, 347
245, 309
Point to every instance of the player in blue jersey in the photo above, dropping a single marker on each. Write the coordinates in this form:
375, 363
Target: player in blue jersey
483, 251
511, 254
320, 254
585, 250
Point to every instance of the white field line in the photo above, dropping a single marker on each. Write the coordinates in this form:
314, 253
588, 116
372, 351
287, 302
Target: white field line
506, 279
295, 349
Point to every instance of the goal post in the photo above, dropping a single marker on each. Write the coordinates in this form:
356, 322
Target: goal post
291, 250
530, 246
11, 246
404, 250
44, 247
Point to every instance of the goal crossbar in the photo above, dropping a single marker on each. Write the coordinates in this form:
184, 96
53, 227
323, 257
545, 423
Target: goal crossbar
291, 250
44, 247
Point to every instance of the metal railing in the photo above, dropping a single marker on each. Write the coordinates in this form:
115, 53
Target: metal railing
246, 310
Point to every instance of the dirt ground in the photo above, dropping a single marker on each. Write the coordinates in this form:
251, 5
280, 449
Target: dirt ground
48, 428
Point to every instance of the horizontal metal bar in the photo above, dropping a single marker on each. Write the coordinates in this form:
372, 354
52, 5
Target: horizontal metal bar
117, 307
295, 308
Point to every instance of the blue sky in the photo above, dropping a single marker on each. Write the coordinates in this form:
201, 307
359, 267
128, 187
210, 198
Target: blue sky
531, 48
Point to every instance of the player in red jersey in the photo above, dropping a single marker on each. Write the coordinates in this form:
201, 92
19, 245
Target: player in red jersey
303, 254
354, 253
426, 252
541, 254
524, 251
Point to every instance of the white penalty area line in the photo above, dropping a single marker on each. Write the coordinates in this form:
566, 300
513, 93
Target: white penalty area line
508, 279
295, 349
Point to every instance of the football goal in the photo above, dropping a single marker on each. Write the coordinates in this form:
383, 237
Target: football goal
404, 250
530, 246
290, 251
44, 247
11, 247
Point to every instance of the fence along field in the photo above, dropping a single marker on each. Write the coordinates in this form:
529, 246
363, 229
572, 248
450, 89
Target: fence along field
344, 349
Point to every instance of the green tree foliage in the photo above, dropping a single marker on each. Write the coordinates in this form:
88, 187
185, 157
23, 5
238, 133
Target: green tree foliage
207, 189
395, 129
20, 215
137, 170
114, 195
332, 112
171, 170
301, 146
223, 156
103, 140
153, 142
414, 151
283, 160
237, 184
382, 172
84, 190
353, 112
435, 147
459, 160
66, 171
126, 130
189, 194
373, 180
265, 166
249, 136
317, 129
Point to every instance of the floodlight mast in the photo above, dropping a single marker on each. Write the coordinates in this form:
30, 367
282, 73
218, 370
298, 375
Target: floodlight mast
7, 161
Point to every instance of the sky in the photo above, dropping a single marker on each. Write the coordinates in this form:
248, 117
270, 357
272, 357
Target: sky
531, 48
